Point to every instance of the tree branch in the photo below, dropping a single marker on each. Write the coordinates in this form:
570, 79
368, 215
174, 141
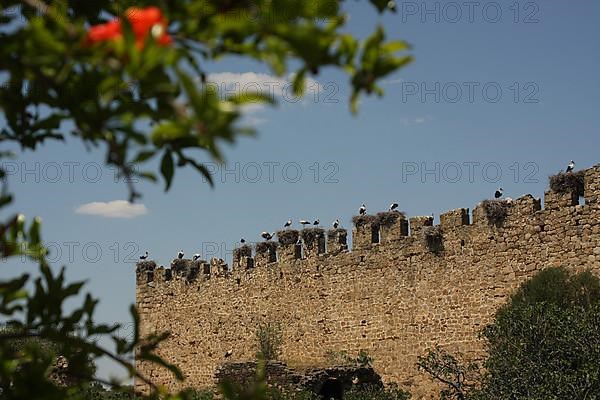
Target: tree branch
83, 344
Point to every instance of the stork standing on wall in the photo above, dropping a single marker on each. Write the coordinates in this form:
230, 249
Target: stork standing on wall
145, 256
393, 206
571, 166
363, 209
317, 222
336, 224
242, 240
288, 223
498, 193
196, 257
304, 222
267, 235
180, 254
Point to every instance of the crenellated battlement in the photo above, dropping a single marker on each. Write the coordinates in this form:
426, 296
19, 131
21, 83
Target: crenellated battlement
404, 284
391, 229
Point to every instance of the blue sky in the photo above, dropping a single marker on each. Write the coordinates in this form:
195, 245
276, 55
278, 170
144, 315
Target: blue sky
545, 115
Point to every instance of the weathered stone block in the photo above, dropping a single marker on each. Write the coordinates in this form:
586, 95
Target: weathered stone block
455, 218
417, 224
555, 201
337, 241
394, 230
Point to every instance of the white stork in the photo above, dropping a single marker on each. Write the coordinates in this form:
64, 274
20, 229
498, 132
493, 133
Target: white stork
571, 166
267, 235
363, 209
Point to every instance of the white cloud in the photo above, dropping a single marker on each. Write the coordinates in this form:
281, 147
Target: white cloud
253, 121
394, 81
252, 82
414, 121
252, 108
251, 114
113, 209
233, 83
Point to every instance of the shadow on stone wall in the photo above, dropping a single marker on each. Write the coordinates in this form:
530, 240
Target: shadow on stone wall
327, 383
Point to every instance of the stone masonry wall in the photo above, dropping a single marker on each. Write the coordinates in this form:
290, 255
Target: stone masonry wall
395, 298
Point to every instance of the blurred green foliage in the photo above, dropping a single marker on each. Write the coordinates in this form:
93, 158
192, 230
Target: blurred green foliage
543, 344
343, 358
270, 338
369, 392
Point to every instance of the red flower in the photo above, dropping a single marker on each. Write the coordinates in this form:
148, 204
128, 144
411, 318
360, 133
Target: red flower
148, 20
109, 31
143, 21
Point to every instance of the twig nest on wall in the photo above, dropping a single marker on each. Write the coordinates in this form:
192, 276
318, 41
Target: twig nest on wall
288, 236
244, 251
388, 218
268, 246
310, 235
568, 182
496, 211
360, 220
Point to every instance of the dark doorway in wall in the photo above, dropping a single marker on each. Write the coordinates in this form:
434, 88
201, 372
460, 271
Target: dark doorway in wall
332, 389
193, 274
321, 243
298, 251
272, 255
206, 269
374, 233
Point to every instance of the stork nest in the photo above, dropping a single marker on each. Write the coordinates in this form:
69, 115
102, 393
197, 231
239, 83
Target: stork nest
388, 218
244, 251
434, 239
180, 266
360, 220
263, 247
568, 182
496, 211
145, 265
288, 236
310, 235
337, 232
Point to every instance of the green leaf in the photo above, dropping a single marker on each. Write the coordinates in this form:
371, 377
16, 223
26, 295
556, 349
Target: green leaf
143, 156
34, 231
299, 82
394, 46
150, 176
167, 169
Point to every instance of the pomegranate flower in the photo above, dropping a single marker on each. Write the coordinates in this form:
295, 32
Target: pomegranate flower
144, 22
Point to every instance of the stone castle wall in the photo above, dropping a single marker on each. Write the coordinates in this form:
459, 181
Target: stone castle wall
395, 298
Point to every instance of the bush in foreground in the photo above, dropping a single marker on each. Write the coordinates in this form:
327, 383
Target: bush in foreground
543, 344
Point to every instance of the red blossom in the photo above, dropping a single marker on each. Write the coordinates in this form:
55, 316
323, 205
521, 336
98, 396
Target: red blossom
144, 22
109, 31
